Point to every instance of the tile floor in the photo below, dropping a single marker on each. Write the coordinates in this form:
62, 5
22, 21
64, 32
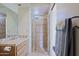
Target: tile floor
41, 52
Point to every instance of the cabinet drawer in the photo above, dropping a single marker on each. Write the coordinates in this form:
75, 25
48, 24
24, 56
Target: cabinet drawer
5, 52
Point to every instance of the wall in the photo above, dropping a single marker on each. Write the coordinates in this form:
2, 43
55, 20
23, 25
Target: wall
66, 10
11, 20
24, 23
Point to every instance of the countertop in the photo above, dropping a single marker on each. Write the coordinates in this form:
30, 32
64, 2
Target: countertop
16, 41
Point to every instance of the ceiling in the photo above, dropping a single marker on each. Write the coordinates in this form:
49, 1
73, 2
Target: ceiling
37, 8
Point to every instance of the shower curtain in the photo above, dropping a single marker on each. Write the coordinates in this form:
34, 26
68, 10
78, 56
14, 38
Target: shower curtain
64, 40
68, 37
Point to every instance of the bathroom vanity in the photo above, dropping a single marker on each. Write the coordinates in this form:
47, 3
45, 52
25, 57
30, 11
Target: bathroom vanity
16, 47
9, 44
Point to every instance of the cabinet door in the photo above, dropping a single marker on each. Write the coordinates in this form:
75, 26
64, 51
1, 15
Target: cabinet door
4, 52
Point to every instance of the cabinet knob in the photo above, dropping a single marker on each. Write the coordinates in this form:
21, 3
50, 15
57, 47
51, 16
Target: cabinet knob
7, 48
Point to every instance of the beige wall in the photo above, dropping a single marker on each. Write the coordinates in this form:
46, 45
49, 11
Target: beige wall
24, 23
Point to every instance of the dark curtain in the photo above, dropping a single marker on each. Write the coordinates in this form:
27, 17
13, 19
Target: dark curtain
63, 44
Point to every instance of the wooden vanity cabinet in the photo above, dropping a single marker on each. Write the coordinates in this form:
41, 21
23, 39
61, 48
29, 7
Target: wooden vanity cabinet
12, 52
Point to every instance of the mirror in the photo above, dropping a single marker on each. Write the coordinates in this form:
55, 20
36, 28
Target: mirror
8, 23
2, 25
